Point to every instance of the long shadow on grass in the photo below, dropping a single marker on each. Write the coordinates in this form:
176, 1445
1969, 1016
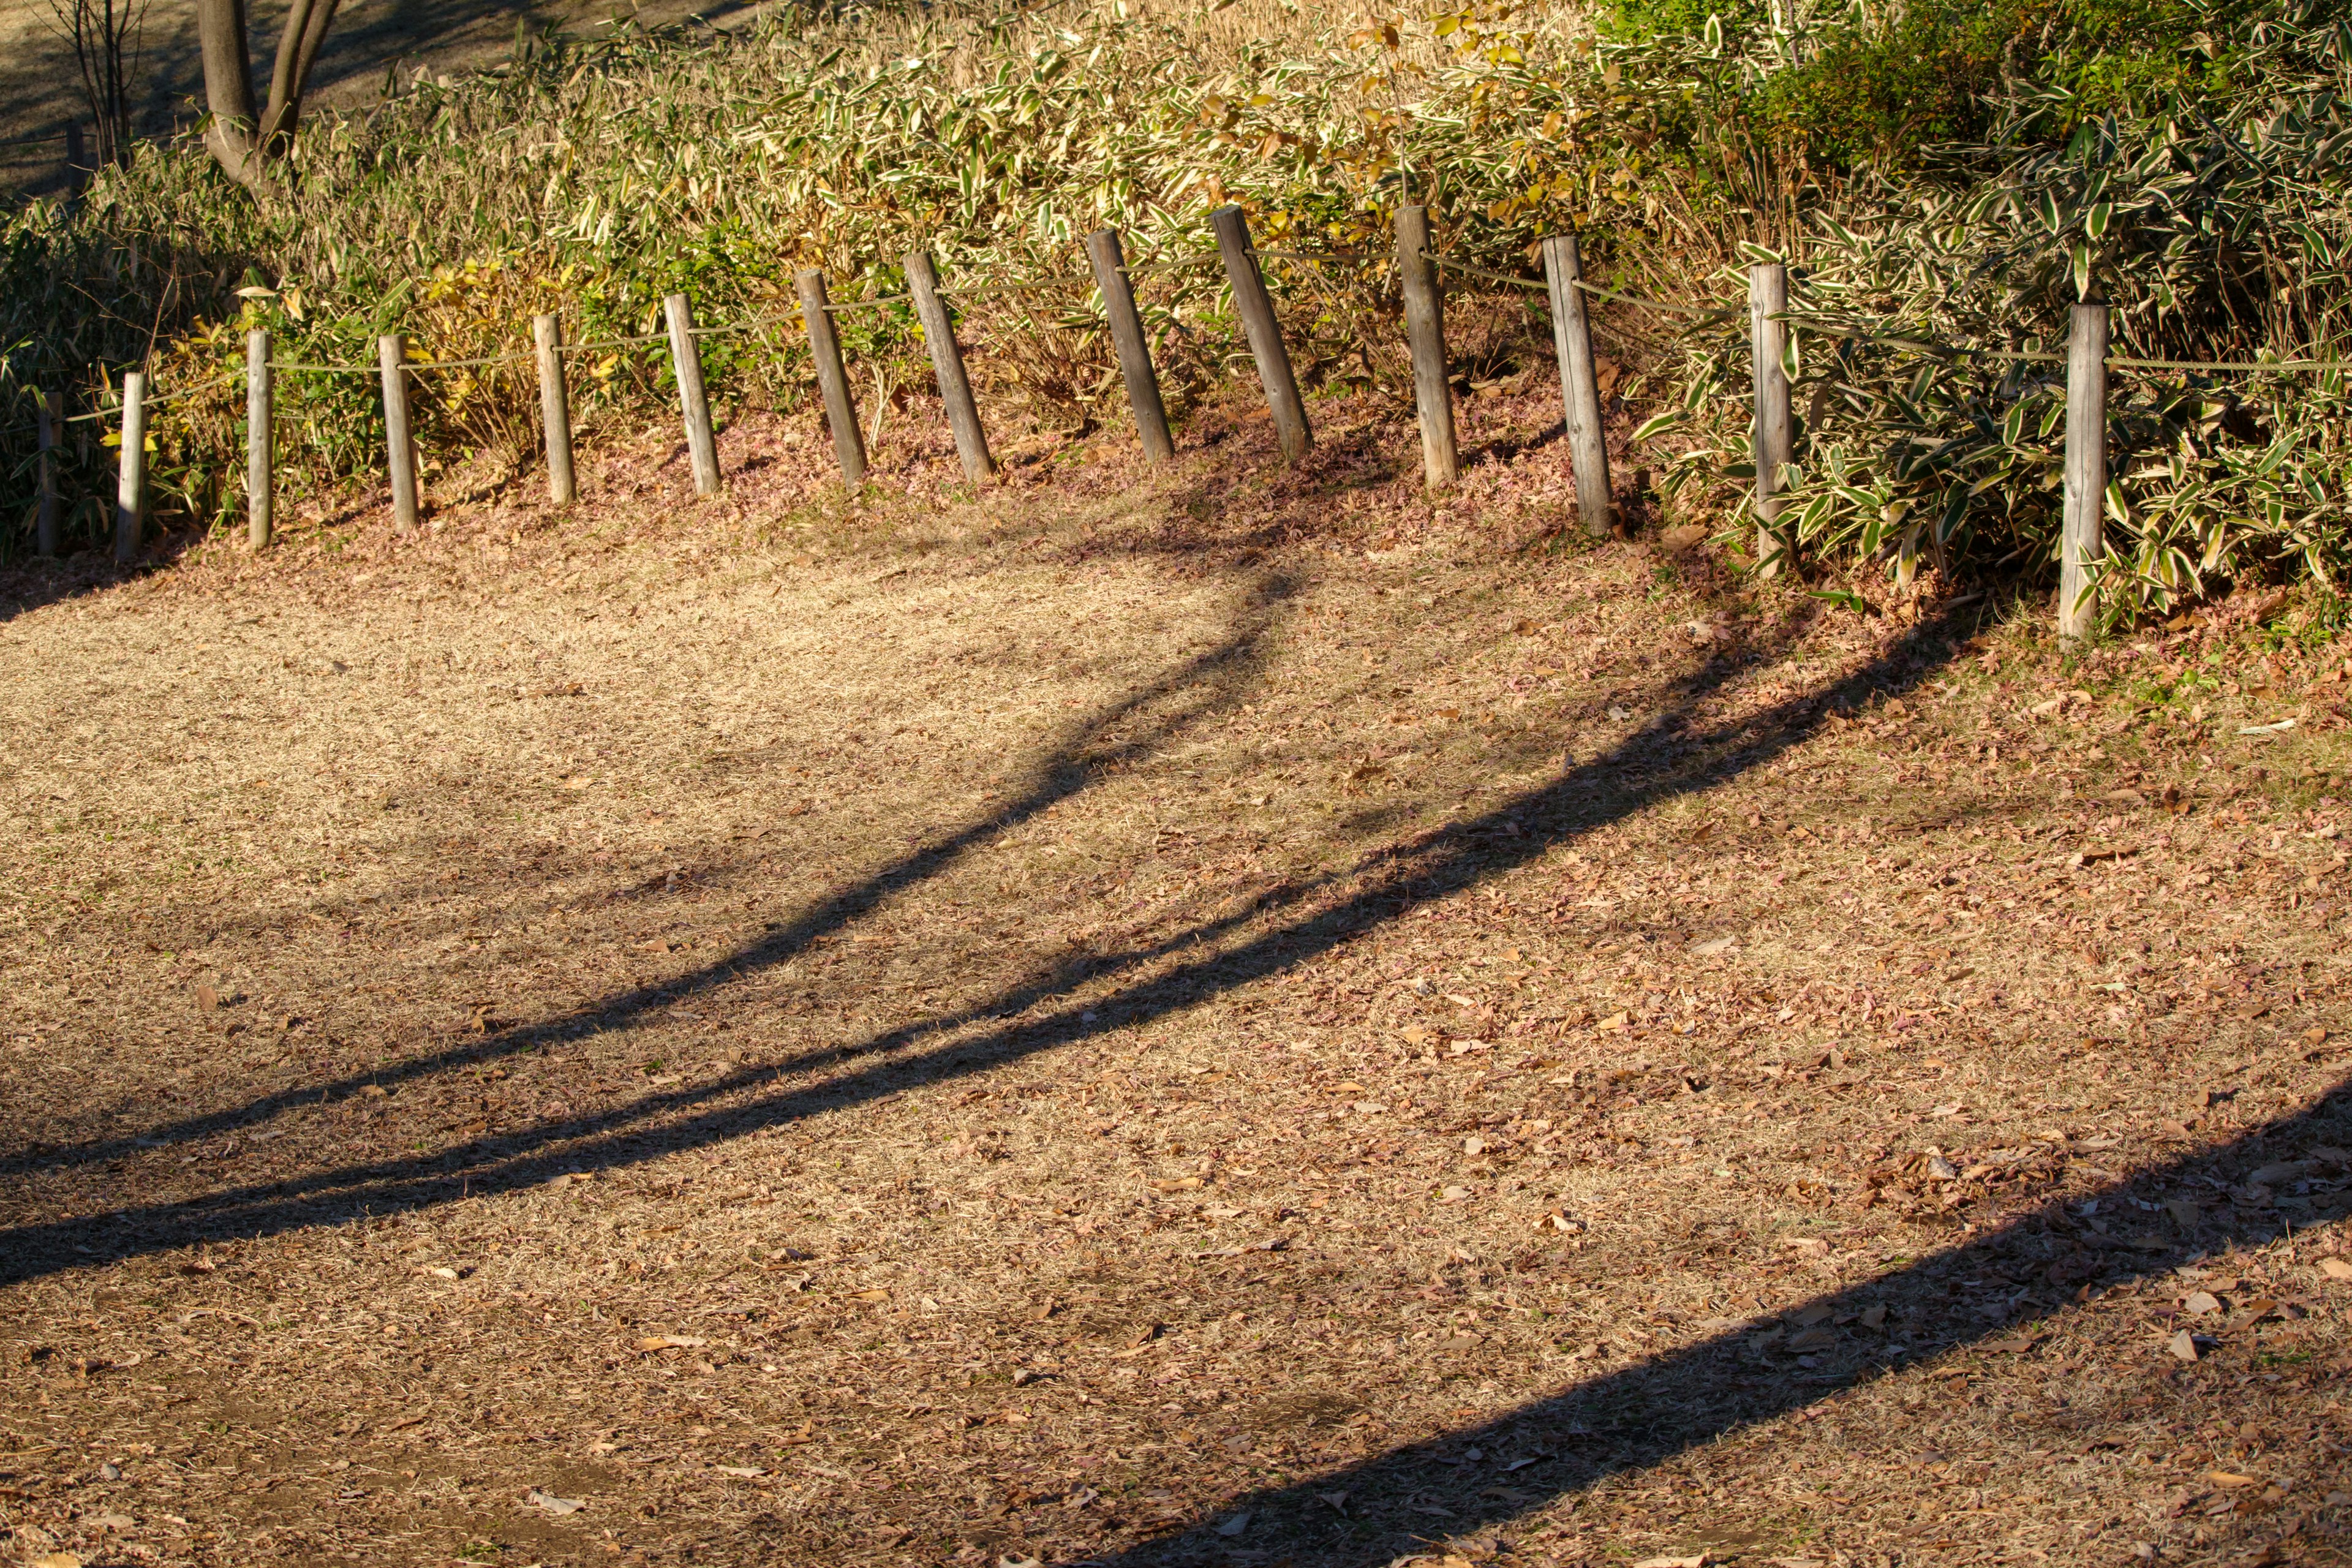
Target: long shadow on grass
2005, 1293
1142, 720
1660, 762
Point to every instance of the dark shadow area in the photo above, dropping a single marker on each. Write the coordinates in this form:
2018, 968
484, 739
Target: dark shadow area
35, 584
2014, 1283
1659, 762
1209, 683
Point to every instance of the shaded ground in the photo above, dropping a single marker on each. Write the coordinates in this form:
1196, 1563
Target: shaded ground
39, 89
1211, 1016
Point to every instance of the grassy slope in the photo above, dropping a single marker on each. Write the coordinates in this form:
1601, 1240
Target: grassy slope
1206, 1016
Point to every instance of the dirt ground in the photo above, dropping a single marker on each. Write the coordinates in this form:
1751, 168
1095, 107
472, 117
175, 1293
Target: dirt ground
1211, 1016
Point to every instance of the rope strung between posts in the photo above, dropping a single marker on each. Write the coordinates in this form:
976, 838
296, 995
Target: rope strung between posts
982, 292
1447, 263
1150, 267
1714, 313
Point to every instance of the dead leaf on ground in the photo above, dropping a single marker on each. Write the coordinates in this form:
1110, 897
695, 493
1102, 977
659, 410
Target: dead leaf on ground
549, 1503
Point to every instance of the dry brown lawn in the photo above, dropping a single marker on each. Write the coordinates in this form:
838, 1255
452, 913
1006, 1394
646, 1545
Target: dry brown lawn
1213, 1017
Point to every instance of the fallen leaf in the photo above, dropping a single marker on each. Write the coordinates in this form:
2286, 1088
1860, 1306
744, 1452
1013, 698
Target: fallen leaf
1177, 1185
1339, 1501
877, 1294
437, 1272
2336, 1268
670, 1342
108, 1520
2018, 1345
2230, 1478
56, 1560
1235, 1525
2201, 1303
1812, 1339
2183, 1346
741, 1472
1874, 1316
1697, 1562
207, 997
1614, 1021
547, 1502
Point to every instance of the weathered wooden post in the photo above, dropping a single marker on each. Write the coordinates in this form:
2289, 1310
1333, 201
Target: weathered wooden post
2086, 467
1774, 440
946, 358
554, 408
1425, 335
130, 488
44, 520
832, 377
260, 441
1256, 306
1109, 263
686, 361
1579, 387
399, 449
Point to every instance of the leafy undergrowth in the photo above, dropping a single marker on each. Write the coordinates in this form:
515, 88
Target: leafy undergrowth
1208, 1015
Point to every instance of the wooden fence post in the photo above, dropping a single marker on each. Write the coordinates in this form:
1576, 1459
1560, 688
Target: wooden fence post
399, 449
2086, 467
832, 377
554, 408
1424, 334
685, 359
1256, 306
131, 488
44, 520
1774, 440
1109, 263
946, 358
1579, 387
260, 441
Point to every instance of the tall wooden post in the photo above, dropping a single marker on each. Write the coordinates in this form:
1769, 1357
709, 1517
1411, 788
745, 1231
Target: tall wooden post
686, 361
832, 377
399, 447
1579, 387
45, 521
130, 488
554, 408
1256, 307
946, 358
260, 441
2086, 467
1774, 440
1109, 263
1425, 335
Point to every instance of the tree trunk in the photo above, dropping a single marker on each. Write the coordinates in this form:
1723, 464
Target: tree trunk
245, 138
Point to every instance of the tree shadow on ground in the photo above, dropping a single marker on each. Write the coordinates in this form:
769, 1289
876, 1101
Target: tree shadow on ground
2010, 1286
1966, 1295
1663, 760
1140, 722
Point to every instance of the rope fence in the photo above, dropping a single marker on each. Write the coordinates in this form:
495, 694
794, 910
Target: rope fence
1419, 270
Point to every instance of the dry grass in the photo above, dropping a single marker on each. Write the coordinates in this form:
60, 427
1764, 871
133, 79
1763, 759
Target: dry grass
1210, 1017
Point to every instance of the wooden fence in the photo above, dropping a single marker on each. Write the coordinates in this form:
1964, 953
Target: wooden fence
1421, 274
